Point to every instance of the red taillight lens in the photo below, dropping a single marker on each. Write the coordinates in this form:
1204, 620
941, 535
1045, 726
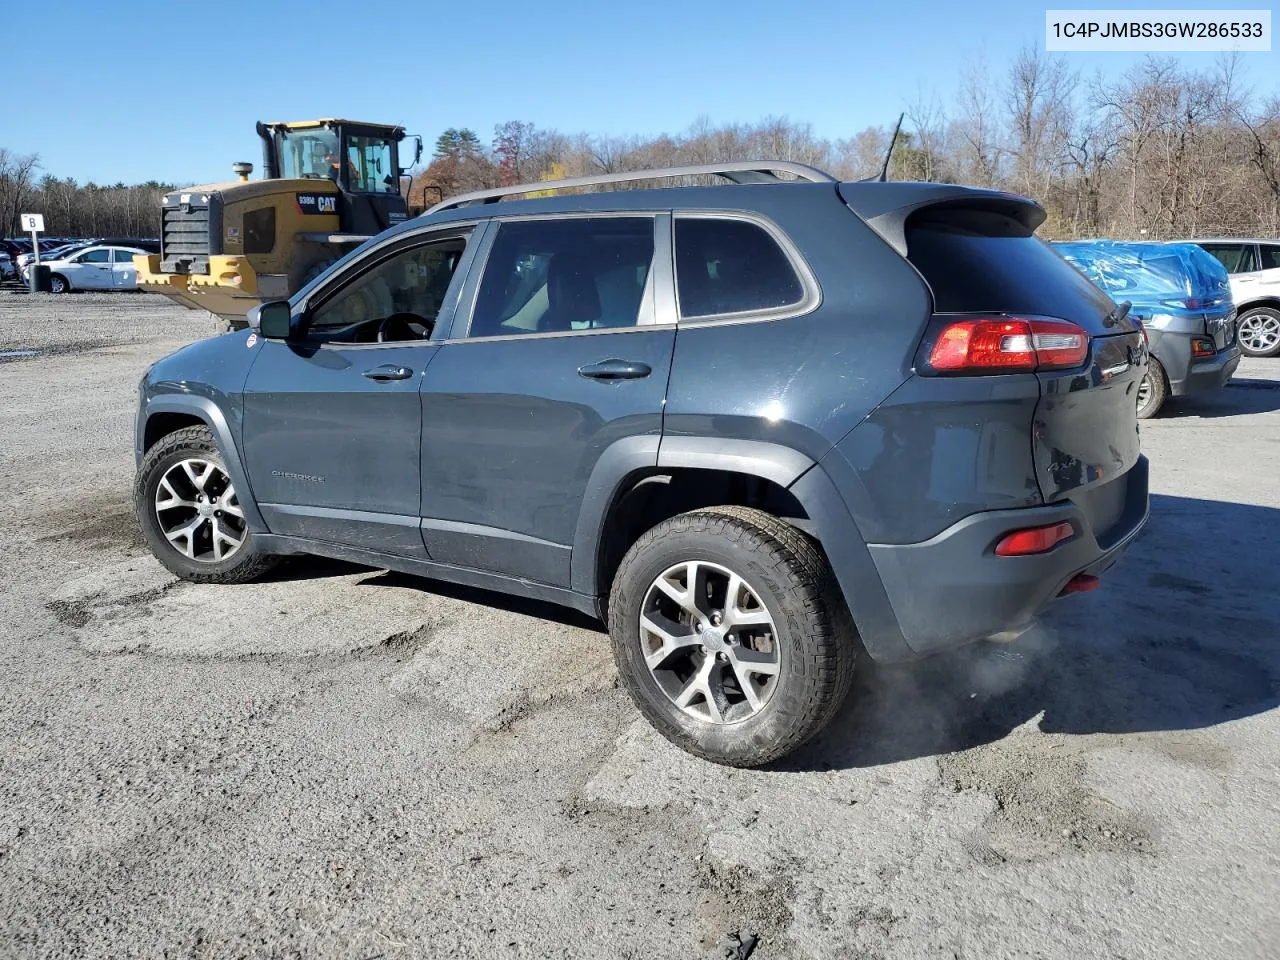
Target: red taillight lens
1022, 543
1202, 348
1007, 344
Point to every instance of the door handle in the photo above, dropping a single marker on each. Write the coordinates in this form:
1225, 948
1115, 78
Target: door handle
388, 371
615, 370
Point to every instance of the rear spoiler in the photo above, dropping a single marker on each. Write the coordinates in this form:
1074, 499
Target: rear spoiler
886, 207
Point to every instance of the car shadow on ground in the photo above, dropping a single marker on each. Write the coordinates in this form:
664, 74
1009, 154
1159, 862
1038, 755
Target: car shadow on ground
1182, 636
487, 598
1236, 398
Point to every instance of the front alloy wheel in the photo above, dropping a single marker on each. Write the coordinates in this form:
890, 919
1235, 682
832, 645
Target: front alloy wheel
190, 514
198, 512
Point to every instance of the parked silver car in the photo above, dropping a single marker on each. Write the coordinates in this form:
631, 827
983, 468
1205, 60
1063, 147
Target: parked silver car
1254, 266
93, 268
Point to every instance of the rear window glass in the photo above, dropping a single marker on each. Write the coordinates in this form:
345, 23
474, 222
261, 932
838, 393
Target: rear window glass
976, 261
731, 266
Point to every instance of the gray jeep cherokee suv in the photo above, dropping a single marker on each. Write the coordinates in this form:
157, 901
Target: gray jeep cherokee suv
755, 427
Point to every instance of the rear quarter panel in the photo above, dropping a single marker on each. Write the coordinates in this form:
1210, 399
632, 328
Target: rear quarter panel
806, 381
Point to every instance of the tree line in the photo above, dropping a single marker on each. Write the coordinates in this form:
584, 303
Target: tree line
71, 209
1161, 151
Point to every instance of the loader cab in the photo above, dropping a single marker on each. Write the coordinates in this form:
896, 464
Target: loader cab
362, 159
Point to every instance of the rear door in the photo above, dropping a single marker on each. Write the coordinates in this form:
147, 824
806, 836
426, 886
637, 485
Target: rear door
561, 354
1084, 434
123, 274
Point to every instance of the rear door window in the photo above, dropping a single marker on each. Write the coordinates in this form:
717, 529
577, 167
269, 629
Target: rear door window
728, 266
566, 276
1270, 256
1236, 257
985, 261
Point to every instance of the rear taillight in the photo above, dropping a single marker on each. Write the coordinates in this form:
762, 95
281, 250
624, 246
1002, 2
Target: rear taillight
1202, 347
973, 345
1023, 543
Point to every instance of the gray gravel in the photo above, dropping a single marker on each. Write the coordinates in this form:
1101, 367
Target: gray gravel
349, 763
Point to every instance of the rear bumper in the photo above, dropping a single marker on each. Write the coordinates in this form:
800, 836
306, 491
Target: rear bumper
1187, 375
1205, 376
953, 589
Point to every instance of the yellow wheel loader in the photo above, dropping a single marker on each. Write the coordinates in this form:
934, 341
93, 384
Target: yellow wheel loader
327, 186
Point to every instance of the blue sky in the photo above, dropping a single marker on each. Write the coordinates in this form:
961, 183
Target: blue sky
148, 89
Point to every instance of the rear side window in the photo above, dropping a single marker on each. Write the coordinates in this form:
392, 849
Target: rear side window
565, 276
984, 261
726, 266
1236, 257
1270, 257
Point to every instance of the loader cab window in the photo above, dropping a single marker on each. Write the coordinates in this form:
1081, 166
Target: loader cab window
369, 166
308, 154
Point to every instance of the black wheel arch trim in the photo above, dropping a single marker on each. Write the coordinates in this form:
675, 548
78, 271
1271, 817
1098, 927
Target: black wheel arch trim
209, 413
830, 521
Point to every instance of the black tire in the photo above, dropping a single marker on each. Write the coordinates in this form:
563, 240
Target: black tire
243, 565
58, 284
1270, 318
817, 645
1156, 385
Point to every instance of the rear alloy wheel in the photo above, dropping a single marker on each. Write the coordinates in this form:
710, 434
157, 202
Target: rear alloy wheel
730, 634
190, 514
1258, 332
58, 284
709, 643
1152, 390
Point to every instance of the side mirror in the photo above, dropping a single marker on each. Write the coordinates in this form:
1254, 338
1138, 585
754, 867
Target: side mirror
273, 319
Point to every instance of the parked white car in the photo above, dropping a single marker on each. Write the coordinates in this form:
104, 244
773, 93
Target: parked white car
93, 268
1254, 266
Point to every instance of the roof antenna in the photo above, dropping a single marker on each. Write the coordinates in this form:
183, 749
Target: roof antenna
884, 170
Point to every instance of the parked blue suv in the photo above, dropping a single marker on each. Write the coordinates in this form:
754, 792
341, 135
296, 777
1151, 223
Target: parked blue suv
1181, 294
755, 427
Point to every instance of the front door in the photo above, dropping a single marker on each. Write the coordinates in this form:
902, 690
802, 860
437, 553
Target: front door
333, 421
561, 356
91, 270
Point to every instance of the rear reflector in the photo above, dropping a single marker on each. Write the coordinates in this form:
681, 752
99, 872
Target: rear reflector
1005, 344
1023, 543
1081, 583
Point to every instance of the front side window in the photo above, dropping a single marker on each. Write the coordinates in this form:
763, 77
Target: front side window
369, 168
309, 154
397, 298
95, 256
726, 266
565, 276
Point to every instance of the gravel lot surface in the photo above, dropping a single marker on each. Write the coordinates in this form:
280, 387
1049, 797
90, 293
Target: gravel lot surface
349, 763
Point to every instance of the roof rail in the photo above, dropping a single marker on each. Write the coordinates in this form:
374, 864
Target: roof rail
739, 171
